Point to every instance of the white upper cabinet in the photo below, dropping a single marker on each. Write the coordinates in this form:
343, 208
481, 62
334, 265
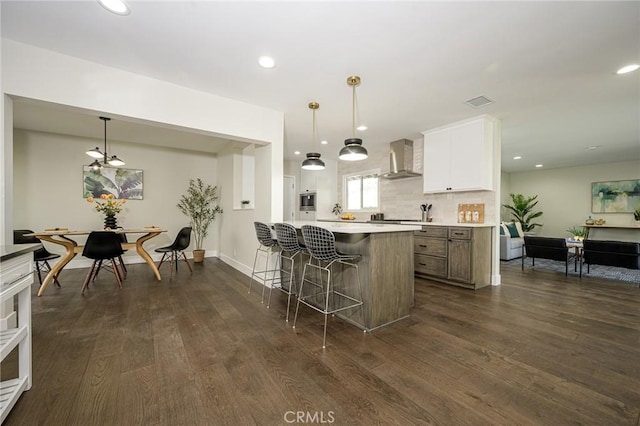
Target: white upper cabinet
309, 180
459, 157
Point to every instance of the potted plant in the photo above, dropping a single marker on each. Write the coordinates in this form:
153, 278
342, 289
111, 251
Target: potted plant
578, 233
245, 203
636, 214
337, 209
199, 205
521, 208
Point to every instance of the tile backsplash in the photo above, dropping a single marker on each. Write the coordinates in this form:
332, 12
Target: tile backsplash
401, 198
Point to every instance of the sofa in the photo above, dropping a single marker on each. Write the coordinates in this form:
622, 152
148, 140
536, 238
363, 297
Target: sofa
511, 240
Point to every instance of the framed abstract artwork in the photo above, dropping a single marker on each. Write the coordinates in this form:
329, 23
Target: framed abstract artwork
620, 196
122, 183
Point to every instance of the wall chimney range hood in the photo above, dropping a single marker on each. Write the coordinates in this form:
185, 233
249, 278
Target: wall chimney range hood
401, 160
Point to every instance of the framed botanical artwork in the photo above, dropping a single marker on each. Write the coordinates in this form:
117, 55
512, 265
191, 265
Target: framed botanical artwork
122, 183
620, 196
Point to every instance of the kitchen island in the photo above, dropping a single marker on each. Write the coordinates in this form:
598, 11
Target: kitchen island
386, 269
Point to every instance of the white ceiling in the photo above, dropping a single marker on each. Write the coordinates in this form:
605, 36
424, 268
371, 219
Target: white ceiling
549, 67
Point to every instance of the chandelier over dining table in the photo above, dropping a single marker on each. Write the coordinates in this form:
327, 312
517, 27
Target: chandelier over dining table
101, 157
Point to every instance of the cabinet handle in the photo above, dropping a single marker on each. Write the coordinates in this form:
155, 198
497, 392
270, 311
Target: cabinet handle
422, 245
422, 264
458, 233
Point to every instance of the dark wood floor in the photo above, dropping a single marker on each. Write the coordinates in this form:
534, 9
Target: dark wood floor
199, 350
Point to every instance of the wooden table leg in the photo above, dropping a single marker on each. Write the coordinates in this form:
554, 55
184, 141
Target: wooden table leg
143, 253
70, 246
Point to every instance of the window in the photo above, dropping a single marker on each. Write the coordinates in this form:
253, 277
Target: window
361, 191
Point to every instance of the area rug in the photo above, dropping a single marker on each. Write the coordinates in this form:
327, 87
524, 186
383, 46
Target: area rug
629, 276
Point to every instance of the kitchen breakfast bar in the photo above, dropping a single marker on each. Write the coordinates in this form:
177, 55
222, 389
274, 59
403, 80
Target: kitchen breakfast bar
386, 269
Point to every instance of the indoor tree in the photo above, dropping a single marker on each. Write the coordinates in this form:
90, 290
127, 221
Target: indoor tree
521, 208
199, 205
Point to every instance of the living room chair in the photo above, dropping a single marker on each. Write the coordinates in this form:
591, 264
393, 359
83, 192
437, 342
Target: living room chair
173, 251
511, 240
546, 248
619, 254
41, 256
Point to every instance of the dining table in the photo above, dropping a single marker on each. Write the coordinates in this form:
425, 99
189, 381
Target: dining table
63, 237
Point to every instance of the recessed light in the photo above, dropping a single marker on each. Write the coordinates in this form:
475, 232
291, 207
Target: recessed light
517, 157
593, 148
628, 68
538, 165
266, 62
324, 142
362, 127
297, 152
115, 6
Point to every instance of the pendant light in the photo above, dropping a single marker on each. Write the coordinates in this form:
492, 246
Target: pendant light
97, 154
313, 161
353, 149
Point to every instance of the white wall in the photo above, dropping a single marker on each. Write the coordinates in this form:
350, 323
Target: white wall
565, 197
40, 74
48, 187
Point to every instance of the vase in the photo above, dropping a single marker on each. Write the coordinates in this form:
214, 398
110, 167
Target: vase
110, 221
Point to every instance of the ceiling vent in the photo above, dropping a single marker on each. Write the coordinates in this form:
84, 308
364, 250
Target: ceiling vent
478, 102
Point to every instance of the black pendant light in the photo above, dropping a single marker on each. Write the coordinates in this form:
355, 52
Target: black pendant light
353, 149
313, 161
97, 154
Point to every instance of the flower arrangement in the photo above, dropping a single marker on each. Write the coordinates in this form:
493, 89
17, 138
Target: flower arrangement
578, 233
108, 205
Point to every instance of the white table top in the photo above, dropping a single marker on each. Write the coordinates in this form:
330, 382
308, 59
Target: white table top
357, 228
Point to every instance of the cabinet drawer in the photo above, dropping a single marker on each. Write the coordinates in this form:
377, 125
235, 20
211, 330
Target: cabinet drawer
430, 246
431, 231
436, 266
15, 269
460, 233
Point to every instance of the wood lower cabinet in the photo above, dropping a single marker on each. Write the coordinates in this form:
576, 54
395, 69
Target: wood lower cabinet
454, 255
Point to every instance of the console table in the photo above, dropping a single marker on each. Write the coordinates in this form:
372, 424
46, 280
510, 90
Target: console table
629, 228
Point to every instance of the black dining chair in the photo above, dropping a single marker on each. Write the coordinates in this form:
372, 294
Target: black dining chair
101, 246
173, 251
123, 240
41, 256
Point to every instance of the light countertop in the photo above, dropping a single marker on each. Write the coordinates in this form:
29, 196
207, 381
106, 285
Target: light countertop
466, 225
13, 250
354, 227
413, 223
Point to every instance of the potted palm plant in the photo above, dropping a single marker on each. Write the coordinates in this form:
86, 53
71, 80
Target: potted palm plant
199, 204
636, 214
521, 208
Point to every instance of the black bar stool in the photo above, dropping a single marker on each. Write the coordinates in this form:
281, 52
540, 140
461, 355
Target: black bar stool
287, 239
268, 246
325, 299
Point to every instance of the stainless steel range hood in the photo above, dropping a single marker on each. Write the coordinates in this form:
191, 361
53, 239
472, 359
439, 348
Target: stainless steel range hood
401, 160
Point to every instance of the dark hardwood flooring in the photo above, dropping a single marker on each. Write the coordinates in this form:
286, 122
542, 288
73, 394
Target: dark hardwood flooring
198, 350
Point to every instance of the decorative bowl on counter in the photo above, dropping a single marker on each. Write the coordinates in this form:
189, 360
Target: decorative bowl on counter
348, 216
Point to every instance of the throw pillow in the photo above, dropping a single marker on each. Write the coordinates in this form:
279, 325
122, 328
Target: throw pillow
513, 231
501, 229
519, 228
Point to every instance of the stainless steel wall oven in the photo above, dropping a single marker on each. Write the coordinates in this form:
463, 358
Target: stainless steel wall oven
308, 202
